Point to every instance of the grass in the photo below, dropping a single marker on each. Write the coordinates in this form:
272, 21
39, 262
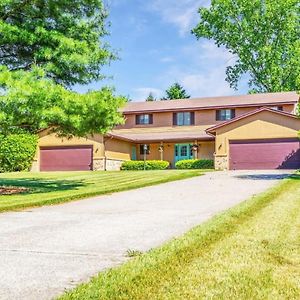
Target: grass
251, 251
58, 187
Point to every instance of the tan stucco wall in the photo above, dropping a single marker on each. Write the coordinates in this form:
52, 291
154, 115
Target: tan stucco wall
117, 149
202, 117
205, 151
264, 125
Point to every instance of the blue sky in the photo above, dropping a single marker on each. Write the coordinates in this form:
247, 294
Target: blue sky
156, 49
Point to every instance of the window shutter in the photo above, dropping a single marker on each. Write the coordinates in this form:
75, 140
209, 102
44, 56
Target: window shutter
232, 113
151, 119
137, 119
192, 118
218, 115
174, 118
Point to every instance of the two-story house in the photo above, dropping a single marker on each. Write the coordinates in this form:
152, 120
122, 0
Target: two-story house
258, 131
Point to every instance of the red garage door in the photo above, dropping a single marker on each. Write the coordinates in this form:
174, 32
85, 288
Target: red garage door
265, 154
66, 158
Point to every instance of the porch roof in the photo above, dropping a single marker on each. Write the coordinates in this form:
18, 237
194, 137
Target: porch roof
162, 134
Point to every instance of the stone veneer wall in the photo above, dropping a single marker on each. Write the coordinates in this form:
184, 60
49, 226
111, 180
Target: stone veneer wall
98, 164
111, 164
221, 162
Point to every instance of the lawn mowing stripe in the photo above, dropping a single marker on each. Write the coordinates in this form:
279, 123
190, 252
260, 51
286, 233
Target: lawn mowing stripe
146, 276
94, 183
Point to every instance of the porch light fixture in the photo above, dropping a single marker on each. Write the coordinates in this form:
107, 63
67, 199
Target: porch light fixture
195, 147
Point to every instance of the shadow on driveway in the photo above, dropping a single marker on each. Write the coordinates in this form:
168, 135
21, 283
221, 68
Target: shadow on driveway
268, 176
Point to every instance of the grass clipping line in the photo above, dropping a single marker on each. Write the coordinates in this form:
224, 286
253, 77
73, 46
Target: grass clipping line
154, 274
113, 188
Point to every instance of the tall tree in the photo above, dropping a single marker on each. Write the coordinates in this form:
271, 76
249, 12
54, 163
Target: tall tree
29, 102
150, 97
63, 37
264, 36
176, 91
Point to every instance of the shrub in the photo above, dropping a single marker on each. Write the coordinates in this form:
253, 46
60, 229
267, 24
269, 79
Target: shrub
17, 152
134, 165
195, 164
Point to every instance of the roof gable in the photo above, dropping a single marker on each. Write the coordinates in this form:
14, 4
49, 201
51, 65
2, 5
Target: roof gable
213, 129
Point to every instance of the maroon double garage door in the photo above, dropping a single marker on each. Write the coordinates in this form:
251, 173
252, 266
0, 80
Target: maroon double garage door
264, 154
75, 158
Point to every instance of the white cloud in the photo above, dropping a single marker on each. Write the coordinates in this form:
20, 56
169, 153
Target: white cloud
181, 13
203, 71
208, 84
199, 83
141, 93
205, 50
167, 59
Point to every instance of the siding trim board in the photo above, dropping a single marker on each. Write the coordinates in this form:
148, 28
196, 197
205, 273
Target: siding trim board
264, 140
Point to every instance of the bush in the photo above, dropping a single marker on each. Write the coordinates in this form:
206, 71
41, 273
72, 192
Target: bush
195, 164
134, 165
17, 152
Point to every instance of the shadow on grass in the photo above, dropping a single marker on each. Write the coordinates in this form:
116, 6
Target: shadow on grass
36, 185
269, 176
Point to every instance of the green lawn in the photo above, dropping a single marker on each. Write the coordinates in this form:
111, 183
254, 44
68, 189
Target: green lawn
249, 252
58, 187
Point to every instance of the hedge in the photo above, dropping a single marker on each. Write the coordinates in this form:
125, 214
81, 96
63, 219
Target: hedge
17, 152
195, 164
135, 165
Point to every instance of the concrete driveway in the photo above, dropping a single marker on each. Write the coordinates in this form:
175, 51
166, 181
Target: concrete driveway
47, 250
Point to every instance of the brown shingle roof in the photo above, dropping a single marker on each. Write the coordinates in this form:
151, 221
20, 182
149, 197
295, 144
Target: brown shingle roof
213, 102
158, 134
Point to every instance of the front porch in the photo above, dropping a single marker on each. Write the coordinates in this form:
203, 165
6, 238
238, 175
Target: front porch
174, 151
172, 143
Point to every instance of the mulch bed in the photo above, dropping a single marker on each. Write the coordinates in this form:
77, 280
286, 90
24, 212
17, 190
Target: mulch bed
12, 190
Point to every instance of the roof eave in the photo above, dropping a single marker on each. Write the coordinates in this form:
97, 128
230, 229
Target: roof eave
209, 107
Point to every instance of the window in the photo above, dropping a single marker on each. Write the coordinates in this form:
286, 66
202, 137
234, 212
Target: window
277, 107
145, 119
142, 147
225, 114
184, 118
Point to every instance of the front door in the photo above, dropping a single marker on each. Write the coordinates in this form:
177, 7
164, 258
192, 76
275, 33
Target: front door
133, 153
183, 151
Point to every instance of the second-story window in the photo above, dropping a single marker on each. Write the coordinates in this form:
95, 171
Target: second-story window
144, 119
225, 114
277, 107
184, 118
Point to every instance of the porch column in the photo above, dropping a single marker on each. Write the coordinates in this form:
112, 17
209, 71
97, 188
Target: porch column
161, 150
